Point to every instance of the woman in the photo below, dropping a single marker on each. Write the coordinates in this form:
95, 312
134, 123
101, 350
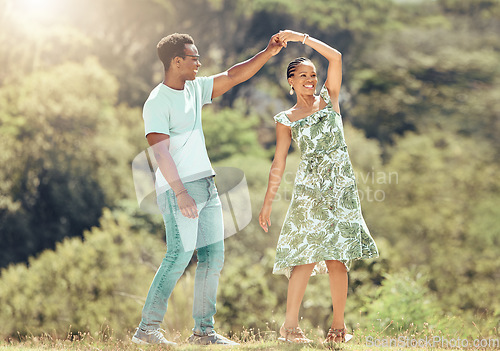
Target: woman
324, 228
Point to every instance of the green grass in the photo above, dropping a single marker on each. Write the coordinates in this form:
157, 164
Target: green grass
249, 341
263, 345
126, 345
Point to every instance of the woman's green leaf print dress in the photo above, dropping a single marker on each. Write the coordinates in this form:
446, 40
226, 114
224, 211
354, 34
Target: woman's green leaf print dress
324, 220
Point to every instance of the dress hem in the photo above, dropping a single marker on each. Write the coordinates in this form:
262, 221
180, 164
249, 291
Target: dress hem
287, 270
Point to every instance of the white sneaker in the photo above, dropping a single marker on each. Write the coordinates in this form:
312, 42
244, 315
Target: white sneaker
212, 338
146, 337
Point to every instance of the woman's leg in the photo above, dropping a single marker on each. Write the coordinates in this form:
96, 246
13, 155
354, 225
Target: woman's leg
296, 289
338, 288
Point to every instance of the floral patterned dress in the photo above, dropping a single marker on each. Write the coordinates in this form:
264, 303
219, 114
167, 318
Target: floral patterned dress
324, 220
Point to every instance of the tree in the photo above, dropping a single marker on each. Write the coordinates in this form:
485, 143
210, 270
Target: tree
72, 152
416, 79
445, 183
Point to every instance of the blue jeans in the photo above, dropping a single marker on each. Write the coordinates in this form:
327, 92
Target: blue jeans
184, 235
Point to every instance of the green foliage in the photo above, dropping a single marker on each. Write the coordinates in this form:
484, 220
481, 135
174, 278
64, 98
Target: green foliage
82, 286
73, 149
228, 132
418, 79
403, 299
485, 9
445, 183
340, 15
240, 282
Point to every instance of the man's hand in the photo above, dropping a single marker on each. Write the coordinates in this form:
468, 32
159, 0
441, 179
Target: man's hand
187, 205
275, 45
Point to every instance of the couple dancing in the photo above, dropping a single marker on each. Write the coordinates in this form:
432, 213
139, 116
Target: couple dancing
324, 229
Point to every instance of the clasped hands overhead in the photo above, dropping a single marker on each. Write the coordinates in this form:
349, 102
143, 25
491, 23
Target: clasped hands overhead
280, 40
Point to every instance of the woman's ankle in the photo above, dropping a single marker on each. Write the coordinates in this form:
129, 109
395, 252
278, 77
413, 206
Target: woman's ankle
290, 323
338, 325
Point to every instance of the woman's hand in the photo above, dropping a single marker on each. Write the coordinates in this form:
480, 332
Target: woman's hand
289, 35
275, 45
265, 217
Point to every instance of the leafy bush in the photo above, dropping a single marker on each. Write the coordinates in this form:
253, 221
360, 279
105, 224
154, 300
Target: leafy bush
82, 286
403, 300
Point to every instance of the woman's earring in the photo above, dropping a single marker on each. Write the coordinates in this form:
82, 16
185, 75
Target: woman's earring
291, 90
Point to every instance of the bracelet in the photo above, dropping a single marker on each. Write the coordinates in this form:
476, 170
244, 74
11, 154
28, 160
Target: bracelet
305, 38
182, 191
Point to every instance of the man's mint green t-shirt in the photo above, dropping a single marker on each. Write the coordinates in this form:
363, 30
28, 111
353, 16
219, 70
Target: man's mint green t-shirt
177, 113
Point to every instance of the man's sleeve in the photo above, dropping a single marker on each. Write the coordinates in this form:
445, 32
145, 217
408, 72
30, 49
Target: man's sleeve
156, 118
207, 86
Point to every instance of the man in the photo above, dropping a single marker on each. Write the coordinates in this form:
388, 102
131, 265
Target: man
185, 188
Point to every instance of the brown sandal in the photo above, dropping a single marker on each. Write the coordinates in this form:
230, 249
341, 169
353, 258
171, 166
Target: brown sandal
295, 335
337, 336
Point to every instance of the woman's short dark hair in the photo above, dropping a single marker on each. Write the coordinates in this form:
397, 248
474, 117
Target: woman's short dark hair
292, 66
171, 46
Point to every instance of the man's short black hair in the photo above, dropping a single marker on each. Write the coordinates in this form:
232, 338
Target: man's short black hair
171, 46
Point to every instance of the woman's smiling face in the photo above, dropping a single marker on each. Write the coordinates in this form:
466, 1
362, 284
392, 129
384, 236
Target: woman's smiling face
304, 78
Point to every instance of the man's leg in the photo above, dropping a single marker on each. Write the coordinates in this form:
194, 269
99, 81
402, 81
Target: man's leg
169, 272
210, 245
180, 232
210, 262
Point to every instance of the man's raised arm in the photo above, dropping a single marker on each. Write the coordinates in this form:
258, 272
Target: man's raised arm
245, 70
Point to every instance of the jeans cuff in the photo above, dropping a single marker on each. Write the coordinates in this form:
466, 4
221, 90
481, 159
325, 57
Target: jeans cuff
203, 331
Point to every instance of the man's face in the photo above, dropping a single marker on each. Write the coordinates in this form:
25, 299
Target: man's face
190, 63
